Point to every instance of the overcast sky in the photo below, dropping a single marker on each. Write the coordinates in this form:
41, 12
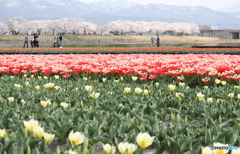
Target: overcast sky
213, 4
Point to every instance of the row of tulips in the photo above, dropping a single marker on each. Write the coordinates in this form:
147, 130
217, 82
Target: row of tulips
122, 51
195, 68
144, 140
112, 113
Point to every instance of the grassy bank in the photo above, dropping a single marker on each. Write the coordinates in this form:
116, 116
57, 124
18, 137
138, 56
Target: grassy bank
109, 37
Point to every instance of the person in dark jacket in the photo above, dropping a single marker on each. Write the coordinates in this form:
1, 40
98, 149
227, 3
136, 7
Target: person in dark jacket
35, 42
32, 40
158, 41
60, 41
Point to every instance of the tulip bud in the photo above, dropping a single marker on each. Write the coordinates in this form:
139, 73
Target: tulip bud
28, 150
172, 117
38, 132
219, 119
48, 138
85, 143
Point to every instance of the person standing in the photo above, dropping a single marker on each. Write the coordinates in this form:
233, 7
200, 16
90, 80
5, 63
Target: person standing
25, 41
55, 41
35, 42
158, 41
60, 41
152, 41
32, 40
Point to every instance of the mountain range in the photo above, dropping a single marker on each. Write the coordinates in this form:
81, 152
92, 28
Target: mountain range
106, 11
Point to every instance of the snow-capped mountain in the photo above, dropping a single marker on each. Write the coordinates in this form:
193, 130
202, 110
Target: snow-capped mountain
111, 10
233, 9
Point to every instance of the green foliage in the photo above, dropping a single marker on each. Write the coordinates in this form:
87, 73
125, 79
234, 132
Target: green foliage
120, 50
180, 125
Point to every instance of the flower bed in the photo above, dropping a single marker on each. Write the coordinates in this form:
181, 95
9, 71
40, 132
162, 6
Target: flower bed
95, 103
121, 51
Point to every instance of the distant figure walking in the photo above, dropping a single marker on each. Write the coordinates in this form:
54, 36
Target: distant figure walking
152, 41
158, 41
55, 41
60, 41
25, 41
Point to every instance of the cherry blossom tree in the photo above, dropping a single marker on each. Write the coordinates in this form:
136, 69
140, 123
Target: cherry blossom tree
3, 28
78, 26
14, 24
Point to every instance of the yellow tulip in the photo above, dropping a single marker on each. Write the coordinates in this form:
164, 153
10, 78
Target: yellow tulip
127, 90
231, 95
144, 140
48, 85
10, 99
27, 84
209, 100
179, 95
56, 77
23, 101
30, 125
223, 83
38, 132
122, 147
88, 88
57, 87
237, 87
134, 78
45, 77
131, 148
109, 149
200, 95
85, 79
2, 133
146, 92
181, 84
207, 150
205, 87
48, 138
238, 96
45, 103
64, 105
17, 85
37, 87
220, 151
171, 87
76, 138
94, 95
138, 90
236, 151
217, 81
104, 79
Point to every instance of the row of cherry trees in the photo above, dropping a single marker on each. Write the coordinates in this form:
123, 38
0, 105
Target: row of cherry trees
78, 26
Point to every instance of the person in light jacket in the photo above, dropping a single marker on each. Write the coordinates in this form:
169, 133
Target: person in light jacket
55, 41
25, 41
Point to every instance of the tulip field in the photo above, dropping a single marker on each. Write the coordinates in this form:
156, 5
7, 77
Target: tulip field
120, 104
